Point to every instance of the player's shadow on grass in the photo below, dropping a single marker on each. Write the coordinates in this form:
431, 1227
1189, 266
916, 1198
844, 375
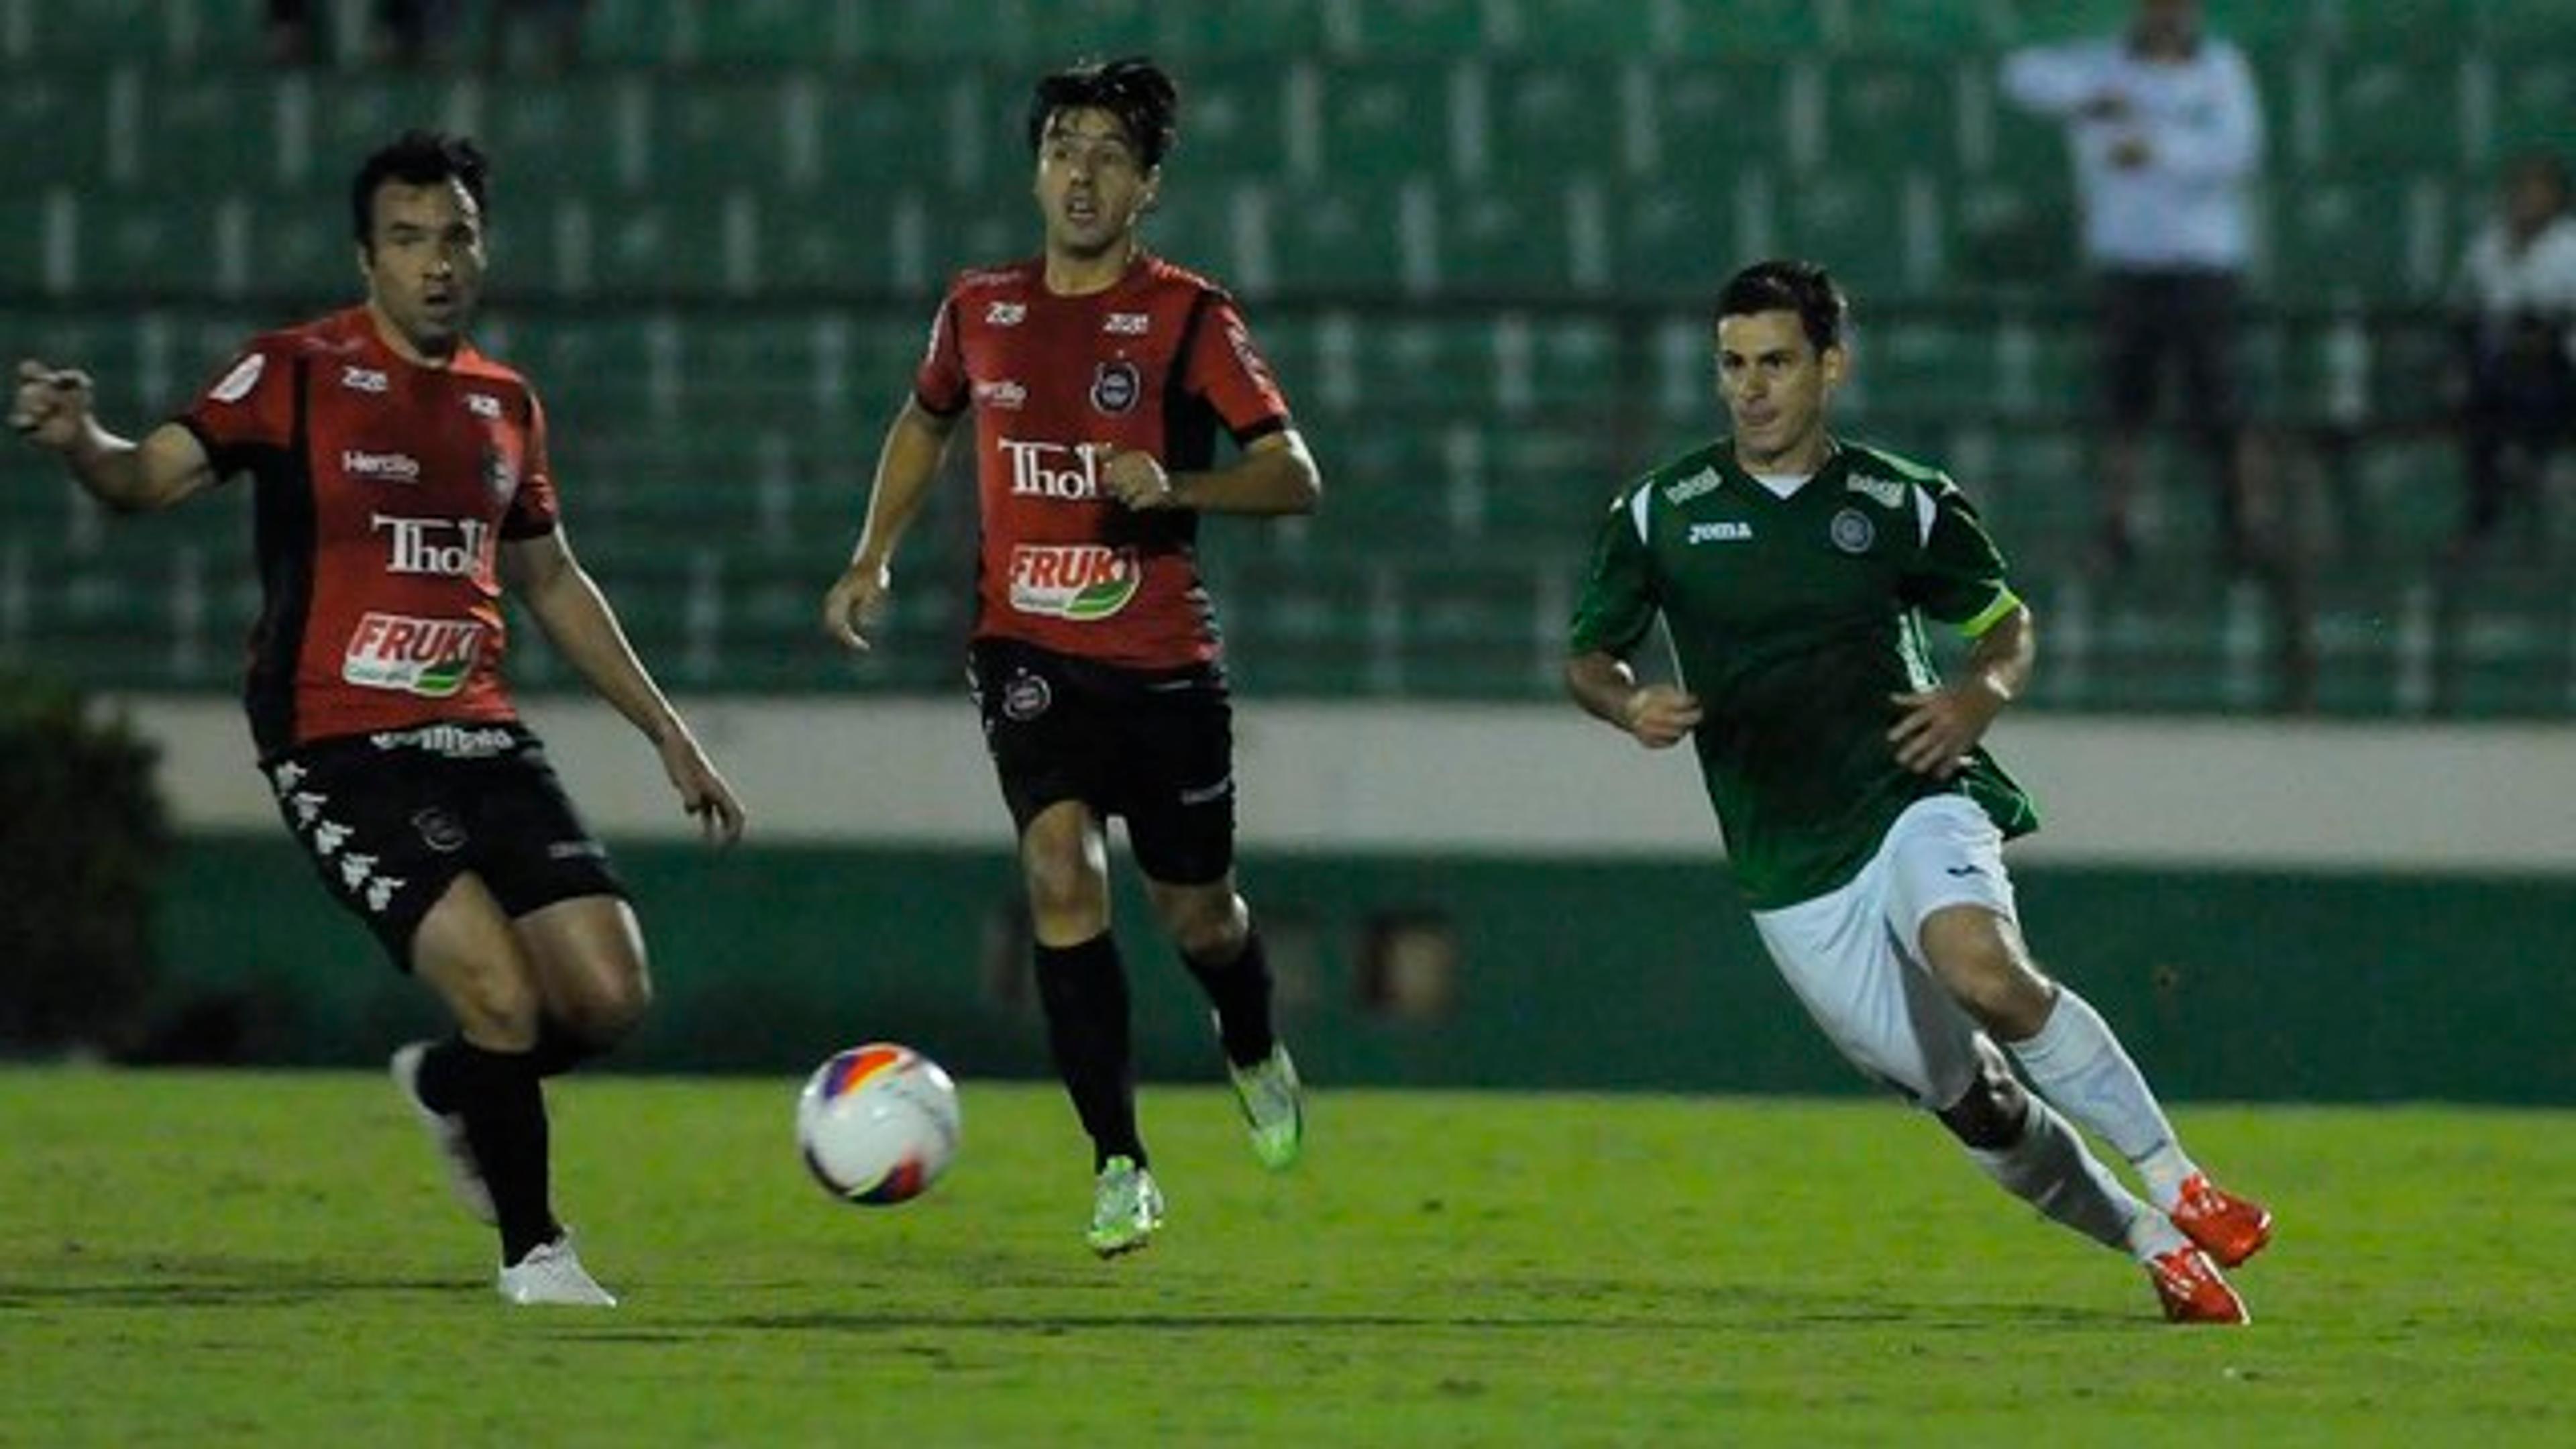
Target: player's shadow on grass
1735, 1311
206, 1292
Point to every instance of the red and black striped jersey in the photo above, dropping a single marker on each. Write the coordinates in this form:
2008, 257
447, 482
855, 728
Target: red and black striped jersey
1156, 363
384, 488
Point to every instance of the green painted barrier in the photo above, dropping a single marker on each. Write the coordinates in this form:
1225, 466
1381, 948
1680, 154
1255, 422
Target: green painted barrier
1450, 972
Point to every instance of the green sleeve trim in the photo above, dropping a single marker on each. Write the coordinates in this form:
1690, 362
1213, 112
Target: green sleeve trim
1992, 614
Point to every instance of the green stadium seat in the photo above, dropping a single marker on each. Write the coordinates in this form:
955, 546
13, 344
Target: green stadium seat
193, 126
1923, 365
2535, 95
630, 32
1929, 27
753, 35
344, 118
145, 244
810, 245
1878, 233
576, 133
2391, 113
882, 127
1233, 126
1240, 31
1557, 120
1486, 623
1681, 30
2379, 238
711, 134
1521, 242
290, 246
1675, 242
1411, 29
1348, 238
2011, 233
1099, 29
1705, 123
1889, 115
1381, 123
56, 130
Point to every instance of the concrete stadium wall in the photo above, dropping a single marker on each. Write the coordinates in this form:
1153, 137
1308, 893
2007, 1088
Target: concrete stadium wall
1495, 897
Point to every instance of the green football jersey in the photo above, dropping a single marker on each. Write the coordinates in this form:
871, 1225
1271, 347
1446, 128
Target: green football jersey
1794, 620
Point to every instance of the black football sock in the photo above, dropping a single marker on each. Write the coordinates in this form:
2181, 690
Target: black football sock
1240, 991
505, 1121
558, 1050
1084, 991
439, 1085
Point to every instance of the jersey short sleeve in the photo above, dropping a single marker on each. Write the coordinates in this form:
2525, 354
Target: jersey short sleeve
533, 508
247, 410
941, 384
1959, 576
1618, 603
1225, 366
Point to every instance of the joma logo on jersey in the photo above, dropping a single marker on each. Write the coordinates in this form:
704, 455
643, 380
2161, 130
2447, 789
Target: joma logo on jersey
1051, 470
1072, 581
380, 467
1720, 532
429, 657
449, 548
365, 379
1691, 487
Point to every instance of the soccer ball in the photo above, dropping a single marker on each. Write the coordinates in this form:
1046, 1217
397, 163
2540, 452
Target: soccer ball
877, 1123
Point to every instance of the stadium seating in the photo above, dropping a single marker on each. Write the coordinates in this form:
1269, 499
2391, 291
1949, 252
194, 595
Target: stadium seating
1478, 239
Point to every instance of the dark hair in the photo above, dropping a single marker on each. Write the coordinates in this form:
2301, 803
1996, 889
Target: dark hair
415, 158
1133, 89
1787, 285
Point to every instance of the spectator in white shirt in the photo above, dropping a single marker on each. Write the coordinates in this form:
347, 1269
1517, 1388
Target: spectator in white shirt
2516, 296
2166, 133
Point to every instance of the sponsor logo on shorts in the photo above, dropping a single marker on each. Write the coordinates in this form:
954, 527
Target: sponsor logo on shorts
1026, 696
427, 657
456, 742
439, 830
1851, 531
576, 850
1116, 386
1079, 581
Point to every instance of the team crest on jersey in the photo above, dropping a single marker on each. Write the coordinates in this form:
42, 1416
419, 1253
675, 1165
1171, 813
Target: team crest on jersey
1025, 696
1116, 386
1851, 531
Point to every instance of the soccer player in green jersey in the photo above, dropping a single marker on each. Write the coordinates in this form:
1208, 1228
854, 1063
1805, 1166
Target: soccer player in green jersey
1794, 571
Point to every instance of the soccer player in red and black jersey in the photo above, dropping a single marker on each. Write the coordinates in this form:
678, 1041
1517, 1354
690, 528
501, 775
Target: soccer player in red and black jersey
402, 482
1100, 376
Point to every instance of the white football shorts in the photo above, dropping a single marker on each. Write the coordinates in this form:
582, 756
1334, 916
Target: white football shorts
1854, 958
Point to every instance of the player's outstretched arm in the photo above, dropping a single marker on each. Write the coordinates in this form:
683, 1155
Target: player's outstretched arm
1658, 716
568, 605
906, 467
54, 409
1275, 476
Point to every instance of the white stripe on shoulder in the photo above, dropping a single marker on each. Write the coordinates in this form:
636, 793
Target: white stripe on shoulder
1925, 510
1638, 503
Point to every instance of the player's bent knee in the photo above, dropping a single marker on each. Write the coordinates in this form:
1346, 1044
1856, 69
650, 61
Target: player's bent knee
1994, 1111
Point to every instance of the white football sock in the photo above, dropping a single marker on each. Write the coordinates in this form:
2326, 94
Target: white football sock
2078, 1065
2049, 1169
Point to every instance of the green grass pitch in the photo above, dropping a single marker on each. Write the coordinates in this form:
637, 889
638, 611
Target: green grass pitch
258, 1259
